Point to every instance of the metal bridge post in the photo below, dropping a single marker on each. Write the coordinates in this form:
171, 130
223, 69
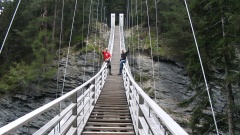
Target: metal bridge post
94, 90
140, 113
74, 111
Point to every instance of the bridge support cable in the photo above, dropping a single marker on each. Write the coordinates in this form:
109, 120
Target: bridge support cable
129, 32
141, 51
66, 64
132, 37
150, 42
202, 68
101, 33
86, 48
59, 57
95, 41
69, 45
157, 44
59, 49
83, 27
147, 116
138, 39
10, 25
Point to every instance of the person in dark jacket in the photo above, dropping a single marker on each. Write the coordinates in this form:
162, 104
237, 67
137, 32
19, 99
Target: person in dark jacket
122, 60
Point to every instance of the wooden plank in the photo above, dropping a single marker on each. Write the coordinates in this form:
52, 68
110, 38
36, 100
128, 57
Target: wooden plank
109, 116
119, 113
114, 107
110, 120
104, 110
105, 105
108, 128
111, 112
109, 124
113, 103
107, 133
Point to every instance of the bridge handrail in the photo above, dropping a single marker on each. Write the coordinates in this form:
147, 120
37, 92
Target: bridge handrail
11, 127
30, 116
171, 125
144, 111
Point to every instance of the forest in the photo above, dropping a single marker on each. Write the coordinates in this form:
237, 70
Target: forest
36, 33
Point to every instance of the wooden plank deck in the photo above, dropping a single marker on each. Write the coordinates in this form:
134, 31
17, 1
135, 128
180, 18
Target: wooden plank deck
111, 114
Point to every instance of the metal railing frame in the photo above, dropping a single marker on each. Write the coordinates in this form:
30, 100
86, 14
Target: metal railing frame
147, 116
73, 118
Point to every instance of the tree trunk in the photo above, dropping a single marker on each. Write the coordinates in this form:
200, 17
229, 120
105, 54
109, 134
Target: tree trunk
54, 23
45, 29
230, 98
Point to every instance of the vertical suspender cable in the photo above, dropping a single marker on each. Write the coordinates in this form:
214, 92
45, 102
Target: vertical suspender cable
69, 45
140, 62
101, 12
127, 16
5, 38
89, 21
155, 92
83, 7
132, 29
59, 49
138, 39
96, 43
149, 34
101, 33
128, 28
203, 72
95, 35
59, 52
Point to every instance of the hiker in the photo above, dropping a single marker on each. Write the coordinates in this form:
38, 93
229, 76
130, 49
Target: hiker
122, 60
106, 57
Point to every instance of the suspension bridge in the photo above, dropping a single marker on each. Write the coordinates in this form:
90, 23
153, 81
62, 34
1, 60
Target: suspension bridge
104, 105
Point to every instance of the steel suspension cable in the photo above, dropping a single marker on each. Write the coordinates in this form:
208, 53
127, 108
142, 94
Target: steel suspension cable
89, 21
9, 27
157, 43
69, 45
132, 36
128, 28
96, 43
141, 42
59, 57
100, 30
83, 10
150, 40
101, 34
59, 49
138, 38
202, 68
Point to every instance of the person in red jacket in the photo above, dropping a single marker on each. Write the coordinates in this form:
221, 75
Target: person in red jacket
107, 56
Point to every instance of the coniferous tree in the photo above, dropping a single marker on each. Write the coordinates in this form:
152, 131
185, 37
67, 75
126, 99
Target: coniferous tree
217, 38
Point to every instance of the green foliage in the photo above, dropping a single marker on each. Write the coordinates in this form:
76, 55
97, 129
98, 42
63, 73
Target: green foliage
142, 78
218, 55
149, 91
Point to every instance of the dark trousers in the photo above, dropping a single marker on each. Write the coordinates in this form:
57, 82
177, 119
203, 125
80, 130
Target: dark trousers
109, 66
121, 66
